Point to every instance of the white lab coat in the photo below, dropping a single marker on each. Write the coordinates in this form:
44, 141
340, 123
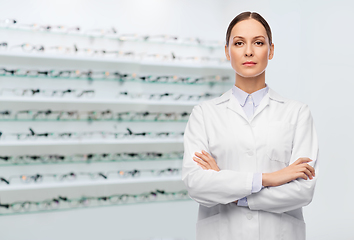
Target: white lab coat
280, 132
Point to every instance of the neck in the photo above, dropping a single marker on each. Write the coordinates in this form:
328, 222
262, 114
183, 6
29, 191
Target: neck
250, 84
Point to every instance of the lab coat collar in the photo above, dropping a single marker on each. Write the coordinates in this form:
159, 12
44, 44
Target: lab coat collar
242, 96
271, 93
234, 105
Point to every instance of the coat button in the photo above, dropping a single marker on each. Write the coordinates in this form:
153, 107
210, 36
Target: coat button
250, 153
249, 216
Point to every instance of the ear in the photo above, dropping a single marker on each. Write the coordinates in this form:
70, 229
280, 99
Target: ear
227, 52
271, 52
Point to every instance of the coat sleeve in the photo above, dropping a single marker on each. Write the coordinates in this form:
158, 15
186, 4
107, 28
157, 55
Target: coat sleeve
209, 187
299, 192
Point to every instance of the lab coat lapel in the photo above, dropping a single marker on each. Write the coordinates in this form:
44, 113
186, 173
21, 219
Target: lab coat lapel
235, 106
262, 105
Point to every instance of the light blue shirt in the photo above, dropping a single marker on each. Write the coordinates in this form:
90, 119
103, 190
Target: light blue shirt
249, 103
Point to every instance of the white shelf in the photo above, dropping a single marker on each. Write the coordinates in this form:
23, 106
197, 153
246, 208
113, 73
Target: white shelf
68, 184
115, 37
90, 142
185, 64
97, 101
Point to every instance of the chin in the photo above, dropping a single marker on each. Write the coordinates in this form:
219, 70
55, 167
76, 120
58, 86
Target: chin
249, 75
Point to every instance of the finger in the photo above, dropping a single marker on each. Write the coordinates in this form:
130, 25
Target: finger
305, 160
202, 156
211, 160
201, 162
206, 157
302, 160
206, 154
303, 176
308, 173
303, 169
311, 169
198, 154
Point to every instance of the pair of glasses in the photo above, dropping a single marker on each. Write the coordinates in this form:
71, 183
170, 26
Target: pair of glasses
152, 134
91, 157
37, 178
6, 114
24, 72
46, 92
180, 79
152, 116
89, 74
29, 48
87, 135
8, 22
25, 178
3, 45
43, 115
167, 96
153, 172
13, 23
68, 203
55, 158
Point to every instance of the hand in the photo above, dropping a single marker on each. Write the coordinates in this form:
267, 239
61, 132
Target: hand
298, 169
206, 161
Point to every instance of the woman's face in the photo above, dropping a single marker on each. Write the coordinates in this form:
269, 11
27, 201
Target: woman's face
249, 42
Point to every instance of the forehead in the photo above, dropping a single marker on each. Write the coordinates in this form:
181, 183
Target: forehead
248, 29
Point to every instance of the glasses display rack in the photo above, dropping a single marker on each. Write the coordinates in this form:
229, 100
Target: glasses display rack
93, 119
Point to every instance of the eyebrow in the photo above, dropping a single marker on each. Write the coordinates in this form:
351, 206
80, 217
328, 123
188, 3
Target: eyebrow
253, 38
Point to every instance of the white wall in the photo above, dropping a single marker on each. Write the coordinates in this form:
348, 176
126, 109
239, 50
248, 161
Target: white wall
312, 63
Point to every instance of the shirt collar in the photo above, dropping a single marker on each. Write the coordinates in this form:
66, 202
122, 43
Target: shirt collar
242, 96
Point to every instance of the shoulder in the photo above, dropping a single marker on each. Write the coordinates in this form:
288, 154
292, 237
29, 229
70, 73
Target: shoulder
213, 104
300, 110
287, 102
223, 98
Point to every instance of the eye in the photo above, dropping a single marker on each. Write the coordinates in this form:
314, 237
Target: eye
260, 44
237, 43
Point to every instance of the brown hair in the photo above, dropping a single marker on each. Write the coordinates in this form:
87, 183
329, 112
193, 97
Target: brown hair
248, 15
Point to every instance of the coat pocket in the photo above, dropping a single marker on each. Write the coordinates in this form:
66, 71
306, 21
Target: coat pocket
292, 228
279, 141
208, 228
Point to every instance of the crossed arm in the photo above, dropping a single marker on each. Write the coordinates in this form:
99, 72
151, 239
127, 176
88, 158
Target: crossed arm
299, 169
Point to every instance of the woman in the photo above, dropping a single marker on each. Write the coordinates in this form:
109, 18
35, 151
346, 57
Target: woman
250, 155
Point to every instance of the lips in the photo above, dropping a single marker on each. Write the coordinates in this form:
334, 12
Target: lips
249, 64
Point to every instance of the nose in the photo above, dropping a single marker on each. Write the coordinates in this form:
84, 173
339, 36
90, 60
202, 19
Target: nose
249, 51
